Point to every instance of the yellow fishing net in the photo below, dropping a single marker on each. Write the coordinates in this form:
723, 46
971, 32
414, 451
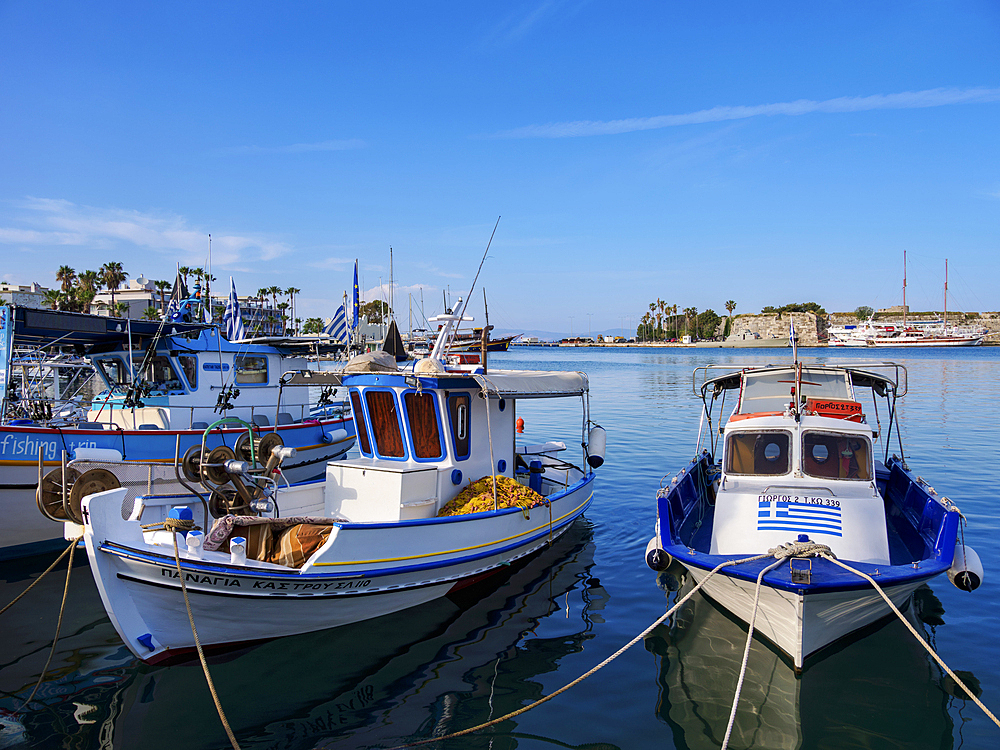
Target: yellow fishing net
478, 497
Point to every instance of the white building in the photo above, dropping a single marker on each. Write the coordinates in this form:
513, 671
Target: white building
32, 295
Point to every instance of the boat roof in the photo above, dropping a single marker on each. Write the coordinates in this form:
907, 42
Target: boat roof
41, 328
515, 384
867, 375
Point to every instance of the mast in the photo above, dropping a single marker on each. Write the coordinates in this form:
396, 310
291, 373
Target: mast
945, 292
904, 289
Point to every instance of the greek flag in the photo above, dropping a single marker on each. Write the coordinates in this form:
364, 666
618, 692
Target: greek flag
336, 327
357, 305
784, 515
232, 319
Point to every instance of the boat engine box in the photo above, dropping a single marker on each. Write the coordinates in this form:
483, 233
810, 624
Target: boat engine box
373, 491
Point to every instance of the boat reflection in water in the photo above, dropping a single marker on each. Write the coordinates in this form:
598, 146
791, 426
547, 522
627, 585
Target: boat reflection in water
434, 669
881, 690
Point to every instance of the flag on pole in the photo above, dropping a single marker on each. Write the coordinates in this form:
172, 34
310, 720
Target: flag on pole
178, 295
336, 327
232, 319
357, 304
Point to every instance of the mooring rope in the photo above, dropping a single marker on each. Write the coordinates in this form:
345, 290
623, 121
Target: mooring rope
62, 609
916, 635
47, 571
175, 524
600, 666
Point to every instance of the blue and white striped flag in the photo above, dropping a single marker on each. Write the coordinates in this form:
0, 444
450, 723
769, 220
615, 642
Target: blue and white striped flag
336, 327
232, 319
785, 515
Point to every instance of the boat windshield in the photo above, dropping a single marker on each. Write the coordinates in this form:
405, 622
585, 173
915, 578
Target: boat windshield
837, 456
771, 391
160, 374
114, 371
758, 452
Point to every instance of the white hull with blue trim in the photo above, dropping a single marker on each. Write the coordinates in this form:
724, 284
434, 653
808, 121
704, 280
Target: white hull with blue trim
379, 534
801, 470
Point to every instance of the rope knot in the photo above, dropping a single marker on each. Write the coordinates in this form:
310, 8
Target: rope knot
800, 549
179, 524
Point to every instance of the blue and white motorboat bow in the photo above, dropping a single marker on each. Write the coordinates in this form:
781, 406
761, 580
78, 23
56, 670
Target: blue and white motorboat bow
795, 463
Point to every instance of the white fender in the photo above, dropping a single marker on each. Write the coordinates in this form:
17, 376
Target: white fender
597, 442
966, 570
656, 558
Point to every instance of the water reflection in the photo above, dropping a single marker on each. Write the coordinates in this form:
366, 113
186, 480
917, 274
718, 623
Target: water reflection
879, 690
424, 672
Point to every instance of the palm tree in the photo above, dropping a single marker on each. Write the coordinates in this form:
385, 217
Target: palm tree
89, 281
67, 276
282, 306
150, 313
291, 292
730, 306
185, 271
53, 297
120, 309
112, 276
162, 287
274, 291
85, 297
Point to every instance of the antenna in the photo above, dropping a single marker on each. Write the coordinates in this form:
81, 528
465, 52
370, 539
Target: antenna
469, 295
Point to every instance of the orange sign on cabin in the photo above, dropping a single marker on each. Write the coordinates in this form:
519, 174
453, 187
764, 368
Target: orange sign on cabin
834, 407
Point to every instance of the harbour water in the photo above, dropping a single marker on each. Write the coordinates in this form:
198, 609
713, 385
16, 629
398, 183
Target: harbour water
543, 622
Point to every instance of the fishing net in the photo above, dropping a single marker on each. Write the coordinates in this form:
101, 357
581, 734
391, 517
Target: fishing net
478, 497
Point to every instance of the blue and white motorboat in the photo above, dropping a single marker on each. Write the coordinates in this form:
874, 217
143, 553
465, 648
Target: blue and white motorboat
794, 468
380, 533
164, 383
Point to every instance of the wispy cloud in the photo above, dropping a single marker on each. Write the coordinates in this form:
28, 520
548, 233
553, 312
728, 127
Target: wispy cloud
333, 264
904, 100
295, 148
523, 21
47, 221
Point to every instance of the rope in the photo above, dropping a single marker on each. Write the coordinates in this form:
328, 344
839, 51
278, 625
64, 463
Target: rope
47, 571
197, 643
916, 635
746, 651
587, 674
55, 639
172, 524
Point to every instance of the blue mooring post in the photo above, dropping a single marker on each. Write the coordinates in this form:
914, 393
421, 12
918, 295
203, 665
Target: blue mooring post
535, 476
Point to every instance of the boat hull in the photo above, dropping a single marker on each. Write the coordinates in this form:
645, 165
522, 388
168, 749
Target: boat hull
801, 623
26, 531
363, 571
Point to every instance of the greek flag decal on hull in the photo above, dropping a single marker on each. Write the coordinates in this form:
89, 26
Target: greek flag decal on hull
803, 518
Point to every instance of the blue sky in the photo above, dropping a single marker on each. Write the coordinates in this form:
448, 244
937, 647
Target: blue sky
696, 152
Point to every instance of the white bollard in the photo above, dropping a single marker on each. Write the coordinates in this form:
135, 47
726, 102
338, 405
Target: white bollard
238, 550
194, 542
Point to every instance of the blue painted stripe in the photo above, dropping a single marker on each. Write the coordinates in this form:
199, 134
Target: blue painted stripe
800, 529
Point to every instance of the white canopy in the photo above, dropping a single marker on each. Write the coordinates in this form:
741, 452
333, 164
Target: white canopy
531, 384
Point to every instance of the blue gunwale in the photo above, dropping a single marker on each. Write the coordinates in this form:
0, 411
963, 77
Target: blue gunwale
192, 566
922, 528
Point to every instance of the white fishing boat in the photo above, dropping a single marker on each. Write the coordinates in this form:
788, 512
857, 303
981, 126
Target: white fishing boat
382, 532
791, 480
164, 382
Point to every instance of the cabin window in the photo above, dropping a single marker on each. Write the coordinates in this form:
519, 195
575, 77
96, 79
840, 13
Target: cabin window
251, 370
359, 424
160, 374
114, 371
459, 417
836, 456
189, 364
384, 418
421, 416
758, 453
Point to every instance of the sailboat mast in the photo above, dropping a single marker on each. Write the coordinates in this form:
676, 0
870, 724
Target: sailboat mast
945, 292
904, 289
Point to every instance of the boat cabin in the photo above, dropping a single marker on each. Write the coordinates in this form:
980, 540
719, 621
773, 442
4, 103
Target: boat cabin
424, 438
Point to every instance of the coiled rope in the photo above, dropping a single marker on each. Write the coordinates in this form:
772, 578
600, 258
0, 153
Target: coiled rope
181, 524
600, 666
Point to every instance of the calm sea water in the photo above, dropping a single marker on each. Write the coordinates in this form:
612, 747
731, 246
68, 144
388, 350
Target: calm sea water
455, 663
